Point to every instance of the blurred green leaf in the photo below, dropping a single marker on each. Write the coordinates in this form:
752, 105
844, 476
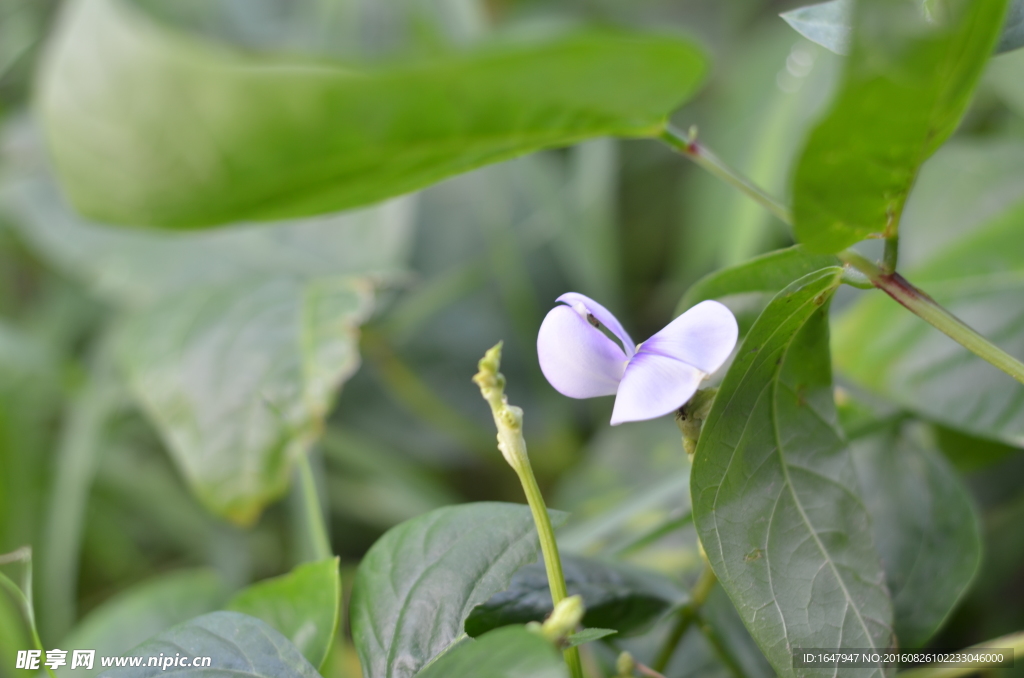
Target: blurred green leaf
417, 585
968, 453
303, 605
505, 653
134, 268
1004, 75
280, 304
775, 495
907, 83
980, 279
238, 379
240, 645
829, 24
926, 529
588, 636
769, 272
617, 596
141, 611
209, 136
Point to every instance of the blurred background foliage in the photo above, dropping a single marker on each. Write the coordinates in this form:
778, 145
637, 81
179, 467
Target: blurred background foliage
124, 548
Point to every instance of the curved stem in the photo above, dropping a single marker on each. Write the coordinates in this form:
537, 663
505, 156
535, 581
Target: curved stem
23, 595
884, 278
687, 145
316, 528
1013, 642
687, 615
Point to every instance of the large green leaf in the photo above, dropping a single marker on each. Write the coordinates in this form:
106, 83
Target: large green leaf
925, 525
142, 611
238, 378
303, 605
907, 83
829, 25
279, 303
617, 596
979, 278
775, 495
148, 126
417, 585
511, 652
237, 645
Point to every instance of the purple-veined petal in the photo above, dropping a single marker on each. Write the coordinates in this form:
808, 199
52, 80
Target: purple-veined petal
654, 385
704, 337
583, 305
576, 357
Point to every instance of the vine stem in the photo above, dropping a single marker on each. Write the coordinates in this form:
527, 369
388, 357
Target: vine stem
687, 615
509, 421
884, 278
922, 305
316, 528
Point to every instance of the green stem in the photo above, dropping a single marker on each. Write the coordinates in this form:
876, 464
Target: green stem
884, 278
687, 615
23, 595
509, 421
316, 528
922, 305
687, 145
1014, 642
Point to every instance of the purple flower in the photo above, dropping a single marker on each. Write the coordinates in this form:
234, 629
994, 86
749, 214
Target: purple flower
648, 380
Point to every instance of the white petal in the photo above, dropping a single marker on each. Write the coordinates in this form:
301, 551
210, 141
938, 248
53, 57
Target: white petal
652, 386
576, 357
704, 337
603, 315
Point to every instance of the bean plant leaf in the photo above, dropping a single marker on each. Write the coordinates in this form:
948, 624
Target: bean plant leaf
239, 378
887, 350
617, 596
303, 605
907, 83
420, 581
207, 135
829, 25
926, 529
588, 636
142, 611
262, 321
511, 652
769, 272
775, 496
238, 646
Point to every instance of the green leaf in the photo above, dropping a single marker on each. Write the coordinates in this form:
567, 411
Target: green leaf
417, 585
511, 652
207, 135
967, 453
142, 611
828, 24
238, 379
238, 646
980, 279
588, 636
136, 269
769, 272
907, 83
303, 605
617, 596
775, 495
926, 529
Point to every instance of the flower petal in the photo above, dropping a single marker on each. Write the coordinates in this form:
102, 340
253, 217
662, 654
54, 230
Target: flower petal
587, 305
576, 357
652, 386
704, 337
